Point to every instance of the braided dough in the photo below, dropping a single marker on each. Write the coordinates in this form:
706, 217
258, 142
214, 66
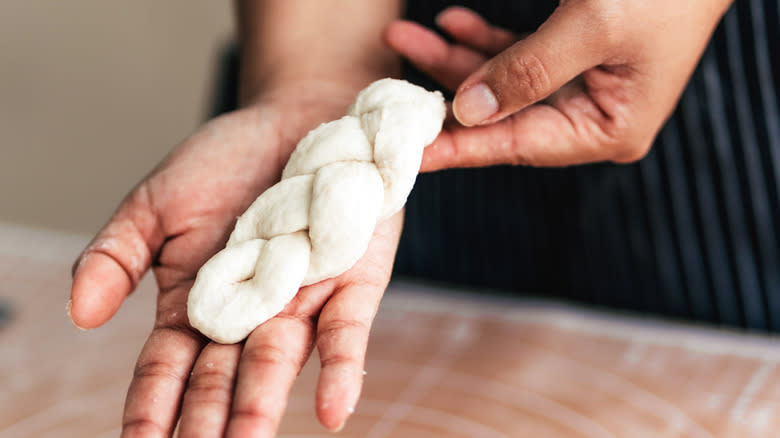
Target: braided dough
343, 178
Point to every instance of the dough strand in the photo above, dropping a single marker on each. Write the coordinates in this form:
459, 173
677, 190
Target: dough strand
343, 178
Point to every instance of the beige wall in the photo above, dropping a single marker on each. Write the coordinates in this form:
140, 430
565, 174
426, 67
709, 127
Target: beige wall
92, 95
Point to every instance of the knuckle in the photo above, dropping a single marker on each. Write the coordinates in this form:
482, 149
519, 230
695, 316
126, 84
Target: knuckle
143, 427
529, 76
155, 369
342, 342
341, 360
372, 283
211, 385
296, 316
336, 326
255, 414
269, 355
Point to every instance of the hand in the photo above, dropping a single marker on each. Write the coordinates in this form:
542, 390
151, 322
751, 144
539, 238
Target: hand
176, 219
594, 83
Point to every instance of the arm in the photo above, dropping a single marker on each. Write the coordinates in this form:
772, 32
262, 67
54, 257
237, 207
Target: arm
288, 43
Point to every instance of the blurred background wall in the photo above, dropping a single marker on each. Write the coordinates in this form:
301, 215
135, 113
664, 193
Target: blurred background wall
92, 95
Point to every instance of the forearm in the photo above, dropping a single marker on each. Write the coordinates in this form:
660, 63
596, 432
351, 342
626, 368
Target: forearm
290, 43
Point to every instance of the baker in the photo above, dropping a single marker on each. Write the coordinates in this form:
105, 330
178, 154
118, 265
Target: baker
690, 230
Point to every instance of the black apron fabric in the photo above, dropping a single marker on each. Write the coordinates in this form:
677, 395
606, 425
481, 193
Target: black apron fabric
691, 231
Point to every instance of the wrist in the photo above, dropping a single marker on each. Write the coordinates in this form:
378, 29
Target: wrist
297, 106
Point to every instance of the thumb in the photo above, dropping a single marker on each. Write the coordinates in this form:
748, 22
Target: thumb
114, 262
531, 69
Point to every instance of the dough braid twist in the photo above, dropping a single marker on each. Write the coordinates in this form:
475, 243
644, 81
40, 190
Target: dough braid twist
342, 179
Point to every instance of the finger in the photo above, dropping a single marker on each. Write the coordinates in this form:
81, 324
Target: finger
447, 64
273, 355
114, 262
470, 29
342, 338
530, 70
569, 130
480, 146
163, 367
206, 403
344, 324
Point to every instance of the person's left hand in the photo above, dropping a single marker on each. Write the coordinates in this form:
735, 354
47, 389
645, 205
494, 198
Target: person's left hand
175, 220
594, 83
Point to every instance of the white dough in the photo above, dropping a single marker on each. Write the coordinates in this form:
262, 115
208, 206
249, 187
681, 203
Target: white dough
343, 178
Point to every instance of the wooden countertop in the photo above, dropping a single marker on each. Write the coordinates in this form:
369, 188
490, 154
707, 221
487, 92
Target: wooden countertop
440, 364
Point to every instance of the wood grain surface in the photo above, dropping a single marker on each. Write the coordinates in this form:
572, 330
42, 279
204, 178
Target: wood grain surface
441, 363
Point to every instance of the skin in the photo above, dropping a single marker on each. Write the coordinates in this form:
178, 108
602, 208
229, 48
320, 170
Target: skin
594, 83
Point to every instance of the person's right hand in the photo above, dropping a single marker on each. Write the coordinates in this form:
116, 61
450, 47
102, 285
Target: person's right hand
177, 218
595, 82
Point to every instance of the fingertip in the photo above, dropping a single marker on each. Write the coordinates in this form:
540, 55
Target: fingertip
451, 15
334, 421
393, 35
388, 31
401, 34
337, 395
99, 287
68, 308
438, 155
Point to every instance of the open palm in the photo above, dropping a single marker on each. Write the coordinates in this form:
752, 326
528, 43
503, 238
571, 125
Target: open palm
175, 220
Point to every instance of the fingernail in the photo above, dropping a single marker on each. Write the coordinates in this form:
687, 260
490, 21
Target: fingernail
475, 104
